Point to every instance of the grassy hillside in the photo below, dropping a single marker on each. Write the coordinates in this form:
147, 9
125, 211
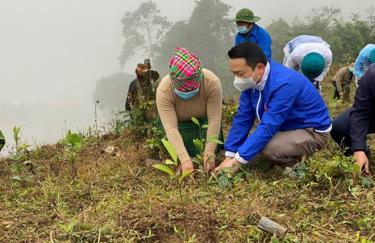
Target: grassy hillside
117, 196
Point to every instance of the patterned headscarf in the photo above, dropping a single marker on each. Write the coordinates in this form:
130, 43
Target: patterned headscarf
185, 70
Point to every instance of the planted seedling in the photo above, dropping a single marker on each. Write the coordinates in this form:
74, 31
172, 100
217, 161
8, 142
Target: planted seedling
21, 147
170, 166
72, 146
200, 144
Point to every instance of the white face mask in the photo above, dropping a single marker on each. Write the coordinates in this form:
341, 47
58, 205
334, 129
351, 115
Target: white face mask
243, 84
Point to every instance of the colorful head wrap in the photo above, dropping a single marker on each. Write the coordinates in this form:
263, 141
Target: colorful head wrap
185, 70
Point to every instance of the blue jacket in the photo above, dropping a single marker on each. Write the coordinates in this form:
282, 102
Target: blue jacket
288, 101
362, 63
257, 35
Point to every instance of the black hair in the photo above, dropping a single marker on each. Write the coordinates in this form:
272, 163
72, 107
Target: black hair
252, 53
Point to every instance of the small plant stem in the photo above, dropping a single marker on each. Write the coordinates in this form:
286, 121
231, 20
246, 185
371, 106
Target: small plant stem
183, 209
96, 124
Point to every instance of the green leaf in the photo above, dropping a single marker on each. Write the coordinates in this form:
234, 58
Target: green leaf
184, 175
17, 178
196, 161
198, 144
172, 152
170, 162
367, 182
205, 126
275, 240
195, 120
223, 181
214, 140
16, 134
165, 169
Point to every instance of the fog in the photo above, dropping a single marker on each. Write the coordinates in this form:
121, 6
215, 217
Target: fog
52, 52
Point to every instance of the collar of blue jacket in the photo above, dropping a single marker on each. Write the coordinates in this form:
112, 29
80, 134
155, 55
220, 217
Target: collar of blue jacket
257, 35
289, 101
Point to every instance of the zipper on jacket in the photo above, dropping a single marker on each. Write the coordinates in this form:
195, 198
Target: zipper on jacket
257, 108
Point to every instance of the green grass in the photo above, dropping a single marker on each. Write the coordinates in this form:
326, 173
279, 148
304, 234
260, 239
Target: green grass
121, 198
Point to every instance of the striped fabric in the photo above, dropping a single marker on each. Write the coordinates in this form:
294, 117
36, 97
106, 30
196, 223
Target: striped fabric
185, 70
190, 131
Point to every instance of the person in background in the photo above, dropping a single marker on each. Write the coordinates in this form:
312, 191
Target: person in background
143, 88
365, 58
190, 91
309, 54
342, 81
350, 129
2, 140
293, 118
249, 31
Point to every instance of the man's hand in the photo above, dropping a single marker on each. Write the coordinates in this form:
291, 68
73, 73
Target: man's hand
209, 162
229, 163
361, 159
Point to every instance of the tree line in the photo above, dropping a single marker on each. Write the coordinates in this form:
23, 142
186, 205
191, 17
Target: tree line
210, 35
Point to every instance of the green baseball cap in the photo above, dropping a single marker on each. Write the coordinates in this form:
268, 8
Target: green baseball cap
312, 65
246, 15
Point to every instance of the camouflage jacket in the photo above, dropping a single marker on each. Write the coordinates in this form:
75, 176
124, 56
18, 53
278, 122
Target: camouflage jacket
142, 90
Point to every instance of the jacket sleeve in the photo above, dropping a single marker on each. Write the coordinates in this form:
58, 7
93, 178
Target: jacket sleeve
328, 63
242, 124
278, 110
286, 51
130, 96
237, 40
168, 117
265, 44
362, 111
291, 63
214, 110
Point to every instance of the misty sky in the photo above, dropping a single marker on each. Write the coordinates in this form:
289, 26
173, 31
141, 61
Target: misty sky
53, 51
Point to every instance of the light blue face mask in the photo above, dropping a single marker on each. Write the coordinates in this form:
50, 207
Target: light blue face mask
242, 29
186, 95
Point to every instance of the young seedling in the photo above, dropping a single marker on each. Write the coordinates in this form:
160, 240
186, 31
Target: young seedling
200, 144
96, 122
72, 146
21, 148
170, 166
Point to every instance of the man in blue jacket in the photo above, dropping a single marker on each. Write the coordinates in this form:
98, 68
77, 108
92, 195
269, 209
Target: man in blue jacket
293, 118
248, 31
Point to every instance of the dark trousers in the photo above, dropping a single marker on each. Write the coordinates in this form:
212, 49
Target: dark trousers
340, 132
336, 93
317, 85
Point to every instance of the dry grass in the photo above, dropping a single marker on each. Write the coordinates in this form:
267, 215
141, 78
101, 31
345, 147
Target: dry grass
119, 198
